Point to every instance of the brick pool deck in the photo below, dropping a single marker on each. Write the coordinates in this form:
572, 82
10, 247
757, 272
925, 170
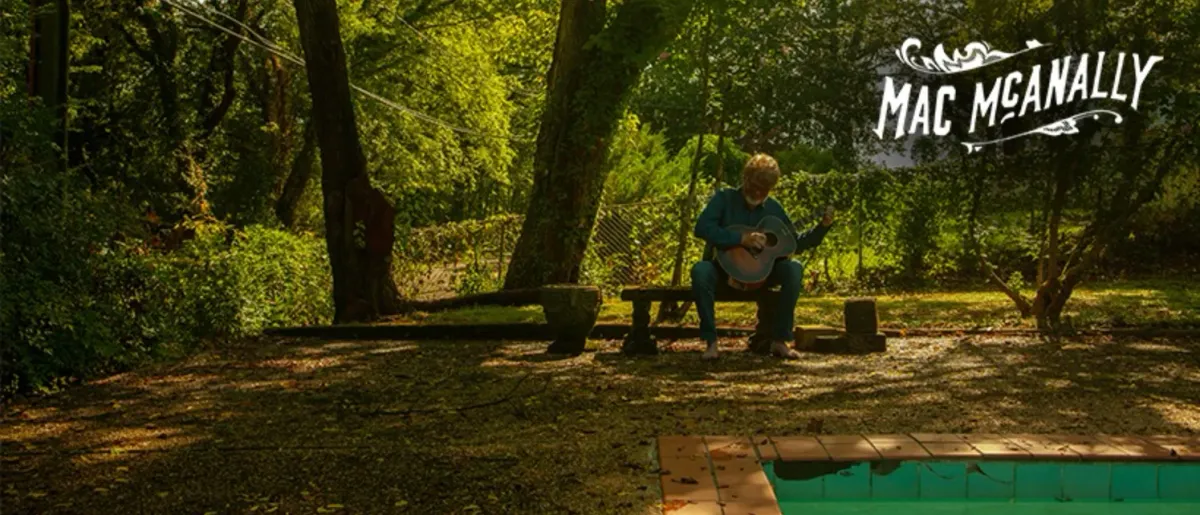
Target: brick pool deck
723, 475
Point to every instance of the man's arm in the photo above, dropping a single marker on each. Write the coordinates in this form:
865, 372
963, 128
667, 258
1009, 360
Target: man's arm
708, 225
807, 239
812, 237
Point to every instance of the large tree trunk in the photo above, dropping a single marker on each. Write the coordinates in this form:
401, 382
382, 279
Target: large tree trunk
48, 61
588, 86
359, 220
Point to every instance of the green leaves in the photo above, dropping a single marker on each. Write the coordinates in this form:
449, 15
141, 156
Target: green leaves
87, 311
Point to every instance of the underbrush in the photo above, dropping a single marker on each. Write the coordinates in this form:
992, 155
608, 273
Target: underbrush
82, 297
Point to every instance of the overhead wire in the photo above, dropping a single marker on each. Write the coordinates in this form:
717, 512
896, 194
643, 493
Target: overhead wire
262, 39
269, 46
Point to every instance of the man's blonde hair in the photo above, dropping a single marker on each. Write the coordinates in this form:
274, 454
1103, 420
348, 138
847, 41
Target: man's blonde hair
761, 167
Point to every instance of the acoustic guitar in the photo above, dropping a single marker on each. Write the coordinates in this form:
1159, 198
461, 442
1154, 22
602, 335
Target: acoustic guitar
748, 268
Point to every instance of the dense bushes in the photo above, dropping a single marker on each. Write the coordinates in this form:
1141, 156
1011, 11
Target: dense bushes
82, 296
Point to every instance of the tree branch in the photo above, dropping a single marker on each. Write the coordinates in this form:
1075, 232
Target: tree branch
162, 50
1061, 185
1108, 232
990, 271
133, 44
222, 60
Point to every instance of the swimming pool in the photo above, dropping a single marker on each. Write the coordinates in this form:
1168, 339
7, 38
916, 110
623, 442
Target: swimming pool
929, 474
960, 487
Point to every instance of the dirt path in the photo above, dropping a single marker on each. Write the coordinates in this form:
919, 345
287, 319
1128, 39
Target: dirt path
279, 426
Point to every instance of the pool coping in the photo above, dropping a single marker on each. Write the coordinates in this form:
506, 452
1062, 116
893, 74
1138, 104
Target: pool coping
723, 475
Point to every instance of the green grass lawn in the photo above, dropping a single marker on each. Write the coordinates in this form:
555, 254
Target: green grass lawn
1113, 304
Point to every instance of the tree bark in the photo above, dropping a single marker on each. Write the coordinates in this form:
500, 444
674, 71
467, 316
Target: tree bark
270, 85
989, 271
588, 87
161, 54
359, 220
48, 47
1049, 286
1108, 229
220, 63
297, 179
720, 173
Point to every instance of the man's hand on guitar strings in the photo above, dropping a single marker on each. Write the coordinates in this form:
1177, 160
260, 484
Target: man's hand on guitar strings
754, 240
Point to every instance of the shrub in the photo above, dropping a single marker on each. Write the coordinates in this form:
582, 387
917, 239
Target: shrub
80, 298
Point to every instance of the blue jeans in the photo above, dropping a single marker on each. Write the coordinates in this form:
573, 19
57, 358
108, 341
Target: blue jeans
708, 277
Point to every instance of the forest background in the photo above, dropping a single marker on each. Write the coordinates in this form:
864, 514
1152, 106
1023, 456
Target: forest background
170, 194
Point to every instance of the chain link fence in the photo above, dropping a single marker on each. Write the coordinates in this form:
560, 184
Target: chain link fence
637, 244
630, 244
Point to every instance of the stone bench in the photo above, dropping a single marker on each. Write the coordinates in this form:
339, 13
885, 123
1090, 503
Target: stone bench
640, 341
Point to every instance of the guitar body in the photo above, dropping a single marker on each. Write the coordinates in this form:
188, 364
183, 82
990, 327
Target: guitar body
748, 269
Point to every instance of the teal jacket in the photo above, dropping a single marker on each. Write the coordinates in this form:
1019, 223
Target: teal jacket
727, 207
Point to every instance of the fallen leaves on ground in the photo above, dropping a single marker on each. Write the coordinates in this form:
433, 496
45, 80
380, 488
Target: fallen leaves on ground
294, 439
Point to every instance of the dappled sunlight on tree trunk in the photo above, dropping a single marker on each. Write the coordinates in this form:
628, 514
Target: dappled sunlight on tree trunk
595, 66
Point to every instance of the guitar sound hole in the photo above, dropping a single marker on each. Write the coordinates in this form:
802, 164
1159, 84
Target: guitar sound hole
772, 239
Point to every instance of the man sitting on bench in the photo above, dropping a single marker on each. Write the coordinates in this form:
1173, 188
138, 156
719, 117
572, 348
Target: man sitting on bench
748, 205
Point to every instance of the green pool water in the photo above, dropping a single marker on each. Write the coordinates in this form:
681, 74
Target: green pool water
985, 508
985, 488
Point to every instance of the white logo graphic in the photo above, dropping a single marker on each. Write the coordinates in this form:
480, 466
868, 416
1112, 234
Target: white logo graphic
976, 54
1071, 79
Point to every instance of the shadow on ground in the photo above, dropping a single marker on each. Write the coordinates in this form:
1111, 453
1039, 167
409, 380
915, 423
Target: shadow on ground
284, 426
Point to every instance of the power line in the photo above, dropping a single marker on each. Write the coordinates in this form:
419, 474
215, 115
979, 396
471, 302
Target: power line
273, 48
263, 39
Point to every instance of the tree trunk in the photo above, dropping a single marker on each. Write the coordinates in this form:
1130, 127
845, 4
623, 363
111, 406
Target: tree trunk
1108, 226
210, 112
1058, 277
671, 309
359, 220
161, 54
48, 62
720, 173
588, 87
270, 85
858, 228
297, 180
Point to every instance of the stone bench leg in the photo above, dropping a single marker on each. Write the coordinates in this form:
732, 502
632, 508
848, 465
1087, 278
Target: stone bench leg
639, 341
